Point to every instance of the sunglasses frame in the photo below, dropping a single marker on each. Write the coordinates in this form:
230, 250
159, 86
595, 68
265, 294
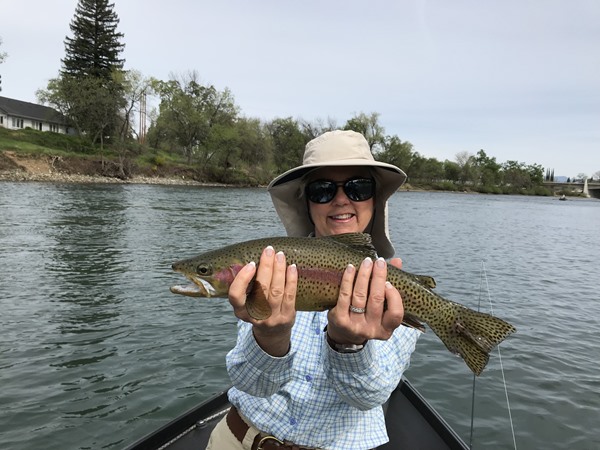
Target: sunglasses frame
344, 185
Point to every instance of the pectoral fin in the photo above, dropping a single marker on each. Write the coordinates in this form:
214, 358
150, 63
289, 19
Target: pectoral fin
413, 322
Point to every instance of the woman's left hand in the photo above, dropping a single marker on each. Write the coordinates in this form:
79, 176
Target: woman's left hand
370, 291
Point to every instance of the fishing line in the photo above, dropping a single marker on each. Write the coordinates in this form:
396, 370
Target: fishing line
512, 428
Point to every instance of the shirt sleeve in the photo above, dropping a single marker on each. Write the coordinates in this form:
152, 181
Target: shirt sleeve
254, 371
366, 379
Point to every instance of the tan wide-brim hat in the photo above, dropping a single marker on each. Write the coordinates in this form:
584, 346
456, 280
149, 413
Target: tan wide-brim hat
336, 149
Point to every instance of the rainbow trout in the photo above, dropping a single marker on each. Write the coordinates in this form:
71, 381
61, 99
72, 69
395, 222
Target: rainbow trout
321, 263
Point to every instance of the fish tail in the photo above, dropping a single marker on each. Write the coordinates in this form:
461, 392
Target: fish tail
470, 334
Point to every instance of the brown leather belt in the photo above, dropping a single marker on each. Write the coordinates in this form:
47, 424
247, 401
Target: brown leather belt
239, 428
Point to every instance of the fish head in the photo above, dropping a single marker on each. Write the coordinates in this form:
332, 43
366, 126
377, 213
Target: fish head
210, 277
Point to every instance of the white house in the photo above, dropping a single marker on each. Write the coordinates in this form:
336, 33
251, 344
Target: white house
15, 114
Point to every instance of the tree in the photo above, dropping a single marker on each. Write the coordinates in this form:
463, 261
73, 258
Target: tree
288, 143
89, 89
452, 171
192, 116
317, 127
465, 161
396, 152
425, 169
135, 87
369, 127
489, 169
94, 49
91, 105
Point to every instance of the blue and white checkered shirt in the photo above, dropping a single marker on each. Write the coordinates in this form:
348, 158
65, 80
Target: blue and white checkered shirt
315, 396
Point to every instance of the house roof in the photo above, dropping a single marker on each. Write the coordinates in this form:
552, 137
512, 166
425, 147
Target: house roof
28, 110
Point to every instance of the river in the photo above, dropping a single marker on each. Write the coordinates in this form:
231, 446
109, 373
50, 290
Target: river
95, 351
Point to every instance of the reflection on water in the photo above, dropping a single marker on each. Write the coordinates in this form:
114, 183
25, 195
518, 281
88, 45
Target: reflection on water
96, 352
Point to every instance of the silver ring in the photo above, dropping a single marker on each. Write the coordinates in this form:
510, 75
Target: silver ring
356, 310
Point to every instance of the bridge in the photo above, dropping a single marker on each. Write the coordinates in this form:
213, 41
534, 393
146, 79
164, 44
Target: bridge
593, 188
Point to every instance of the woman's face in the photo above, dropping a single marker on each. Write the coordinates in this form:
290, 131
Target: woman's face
340, 215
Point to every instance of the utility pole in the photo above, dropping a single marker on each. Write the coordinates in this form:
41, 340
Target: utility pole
142, 133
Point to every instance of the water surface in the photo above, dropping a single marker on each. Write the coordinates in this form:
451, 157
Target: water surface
95, 351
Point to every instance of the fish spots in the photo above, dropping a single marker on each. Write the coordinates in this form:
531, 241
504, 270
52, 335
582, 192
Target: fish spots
321, 263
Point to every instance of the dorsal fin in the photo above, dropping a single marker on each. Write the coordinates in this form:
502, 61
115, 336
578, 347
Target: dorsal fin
361, 242
426, 281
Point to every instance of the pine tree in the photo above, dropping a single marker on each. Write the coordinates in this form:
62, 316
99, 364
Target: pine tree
95, 46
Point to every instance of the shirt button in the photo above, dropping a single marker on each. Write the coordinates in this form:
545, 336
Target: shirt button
309, 378
293, 421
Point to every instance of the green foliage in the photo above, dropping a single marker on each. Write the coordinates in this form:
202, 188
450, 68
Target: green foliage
89, 91
446, 186
396, 152
369, 127
288, 143
91, 105
94, 49
193, 118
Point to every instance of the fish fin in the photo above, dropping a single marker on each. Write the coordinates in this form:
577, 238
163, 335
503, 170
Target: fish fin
256, 302
426, 281
361, 242
470, 334
413, 322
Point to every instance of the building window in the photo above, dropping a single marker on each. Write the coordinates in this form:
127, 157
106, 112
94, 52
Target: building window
54, 127
1, 120
17, 123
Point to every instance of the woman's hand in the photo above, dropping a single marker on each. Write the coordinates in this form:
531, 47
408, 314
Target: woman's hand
277, 283
370, 291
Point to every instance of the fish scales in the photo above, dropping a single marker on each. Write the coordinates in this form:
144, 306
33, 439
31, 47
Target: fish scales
321, 263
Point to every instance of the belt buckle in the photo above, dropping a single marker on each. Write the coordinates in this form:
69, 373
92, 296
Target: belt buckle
267, 438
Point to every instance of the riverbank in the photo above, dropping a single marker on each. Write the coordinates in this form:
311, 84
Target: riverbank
41, 168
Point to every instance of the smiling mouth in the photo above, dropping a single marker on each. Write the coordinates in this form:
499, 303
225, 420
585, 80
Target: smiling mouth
342, 216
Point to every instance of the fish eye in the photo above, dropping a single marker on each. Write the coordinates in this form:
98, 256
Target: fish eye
203, 269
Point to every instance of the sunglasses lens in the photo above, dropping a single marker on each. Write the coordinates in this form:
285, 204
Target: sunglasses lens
357, 190
321, 191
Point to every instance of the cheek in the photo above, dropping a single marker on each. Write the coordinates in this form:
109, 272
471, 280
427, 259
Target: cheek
366, 211
317, 212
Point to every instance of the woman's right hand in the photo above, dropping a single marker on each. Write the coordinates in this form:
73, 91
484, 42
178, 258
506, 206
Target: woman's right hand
277, 282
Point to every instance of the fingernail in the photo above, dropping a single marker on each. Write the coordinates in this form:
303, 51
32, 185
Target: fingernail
293, 268
269, 251
380, 262
368, 262
279, 256
250, 266
350, 268
388, 285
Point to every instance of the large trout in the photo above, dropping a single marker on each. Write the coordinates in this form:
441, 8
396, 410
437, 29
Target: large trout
321, 263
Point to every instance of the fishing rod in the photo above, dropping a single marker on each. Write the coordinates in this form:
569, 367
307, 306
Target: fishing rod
483, 277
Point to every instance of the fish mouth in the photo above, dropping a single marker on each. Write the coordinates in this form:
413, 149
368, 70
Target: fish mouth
199, 288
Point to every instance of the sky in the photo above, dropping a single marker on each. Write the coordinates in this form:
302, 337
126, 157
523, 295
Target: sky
519, 79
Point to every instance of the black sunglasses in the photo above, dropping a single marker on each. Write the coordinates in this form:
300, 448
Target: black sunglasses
357, 189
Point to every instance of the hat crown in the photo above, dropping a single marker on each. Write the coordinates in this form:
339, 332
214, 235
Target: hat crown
337, 145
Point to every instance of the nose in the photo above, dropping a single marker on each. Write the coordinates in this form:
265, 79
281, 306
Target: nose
340, 196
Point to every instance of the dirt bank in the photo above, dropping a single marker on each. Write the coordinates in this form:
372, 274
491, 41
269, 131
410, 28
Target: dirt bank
18, 167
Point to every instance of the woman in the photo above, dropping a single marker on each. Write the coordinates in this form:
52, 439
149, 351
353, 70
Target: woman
318, 379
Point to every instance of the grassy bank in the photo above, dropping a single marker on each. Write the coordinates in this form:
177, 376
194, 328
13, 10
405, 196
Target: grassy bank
33, 155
